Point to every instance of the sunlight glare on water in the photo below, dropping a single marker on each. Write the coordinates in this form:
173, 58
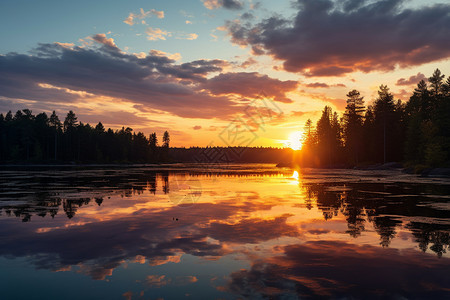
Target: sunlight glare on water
230, 234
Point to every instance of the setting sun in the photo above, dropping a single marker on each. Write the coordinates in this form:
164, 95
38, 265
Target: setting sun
295, 140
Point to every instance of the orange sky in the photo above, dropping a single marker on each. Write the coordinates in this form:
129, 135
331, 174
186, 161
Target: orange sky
217, 73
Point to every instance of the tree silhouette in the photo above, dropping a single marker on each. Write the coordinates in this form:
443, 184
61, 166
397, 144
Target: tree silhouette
166, 139
71, 121
328, 137
25, 137
55, 125
353, 118
436, 82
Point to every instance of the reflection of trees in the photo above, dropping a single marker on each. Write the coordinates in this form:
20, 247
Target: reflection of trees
39, 207
345, 202
71, 206
166, 183
385, 227
377, 204
152, 183
45, 192
42, 193
436, 235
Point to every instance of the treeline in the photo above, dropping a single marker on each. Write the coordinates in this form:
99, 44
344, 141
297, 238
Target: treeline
225, 155
25, 137
416, 132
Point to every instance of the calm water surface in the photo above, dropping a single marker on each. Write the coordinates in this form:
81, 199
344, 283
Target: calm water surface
247, 231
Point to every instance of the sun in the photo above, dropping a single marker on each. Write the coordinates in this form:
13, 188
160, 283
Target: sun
295, 140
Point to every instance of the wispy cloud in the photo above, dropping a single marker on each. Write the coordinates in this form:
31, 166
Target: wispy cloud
131, 19
187, 36
154, 34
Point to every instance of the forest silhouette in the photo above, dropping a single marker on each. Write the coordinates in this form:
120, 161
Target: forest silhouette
416, 132
25, 137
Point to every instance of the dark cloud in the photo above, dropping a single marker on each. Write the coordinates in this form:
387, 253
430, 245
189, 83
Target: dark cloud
252, 230
329, 38
106, 71
350, 5
249, 62
414, 79
317, 85
197, 127
335, 269
116, 118
247, 16
232, 4
108, 42
228, 4
195, 70
57, 73
251, 85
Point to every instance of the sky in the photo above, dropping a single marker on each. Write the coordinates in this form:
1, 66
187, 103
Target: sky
214, 72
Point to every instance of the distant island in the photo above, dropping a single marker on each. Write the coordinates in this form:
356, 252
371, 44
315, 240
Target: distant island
415, 133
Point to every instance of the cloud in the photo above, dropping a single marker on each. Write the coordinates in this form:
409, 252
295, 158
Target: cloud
128, 295
414, 79
317, 85
251, 85
335, 269
187, 36
326, 39
249, 62
197, 127
56, 75
172, 56
252, 230
130, 20
152, 81
298, 113
154, 34
157, 280
102, 39
228, 4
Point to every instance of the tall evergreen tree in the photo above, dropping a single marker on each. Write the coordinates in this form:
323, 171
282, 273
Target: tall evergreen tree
383, 110
166, 139
55, 125
71, 121
436, 82
353, 120
328, 137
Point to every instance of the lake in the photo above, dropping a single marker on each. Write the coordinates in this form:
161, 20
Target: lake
222, 232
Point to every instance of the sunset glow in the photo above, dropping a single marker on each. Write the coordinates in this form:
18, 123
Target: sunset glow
191, 67
295, 140
225, 149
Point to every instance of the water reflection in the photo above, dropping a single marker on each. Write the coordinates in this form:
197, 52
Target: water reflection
387, 207
309, 235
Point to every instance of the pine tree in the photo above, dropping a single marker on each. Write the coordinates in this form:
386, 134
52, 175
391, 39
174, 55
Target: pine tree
353, 118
